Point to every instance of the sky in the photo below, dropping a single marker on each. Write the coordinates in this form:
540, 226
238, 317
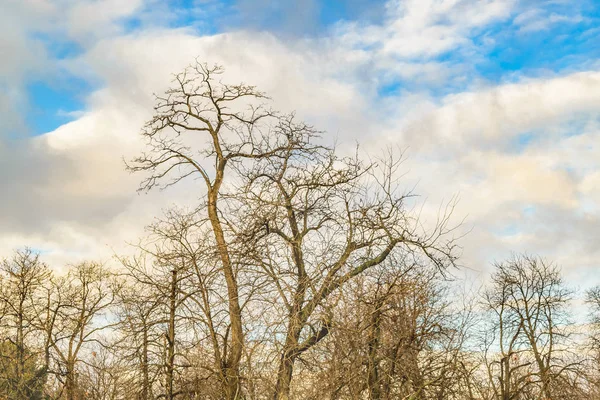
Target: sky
493, 102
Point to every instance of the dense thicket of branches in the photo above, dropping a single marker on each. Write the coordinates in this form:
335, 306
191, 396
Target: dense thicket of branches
302, 273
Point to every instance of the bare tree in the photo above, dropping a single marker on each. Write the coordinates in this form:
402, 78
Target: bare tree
202, 109
138, 337
78, 313
528, 301
23, 276
395, 336
104, 376
317, 220
593, 301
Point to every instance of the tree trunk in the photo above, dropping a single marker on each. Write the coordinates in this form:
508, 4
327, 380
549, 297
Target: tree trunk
505, 377
171, 338
145, 374
288, 356
70, 385
231, 385
20, 348
373, 380
284, 377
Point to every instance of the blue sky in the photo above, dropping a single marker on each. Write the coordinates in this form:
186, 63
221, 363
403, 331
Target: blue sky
494, 101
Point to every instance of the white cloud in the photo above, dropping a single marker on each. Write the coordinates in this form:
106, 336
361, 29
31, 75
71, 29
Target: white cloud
538, 19
89, 20
425, 28
494, 116
538, 197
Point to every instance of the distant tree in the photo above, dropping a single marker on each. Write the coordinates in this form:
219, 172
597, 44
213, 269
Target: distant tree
104, 376
593, 302
528, 303
22, 278
20, 380
166, 321
139, 335
78, 312
395, 336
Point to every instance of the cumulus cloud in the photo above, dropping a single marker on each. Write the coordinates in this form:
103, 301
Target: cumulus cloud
35, 33
73, 179
494, 116
90, 20
537, 195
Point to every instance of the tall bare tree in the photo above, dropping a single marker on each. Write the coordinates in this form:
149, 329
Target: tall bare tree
227, 120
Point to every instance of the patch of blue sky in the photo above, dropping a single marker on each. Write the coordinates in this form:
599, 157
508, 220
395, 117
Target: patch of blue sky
438, 76
434, 90
294, 18
565, 41
53, 104
575, 125
523, 140
453, 78
59, 47
40, 251
133, 23
291, 17
392, 88
205, 17
560, 41
334, 11
579, 123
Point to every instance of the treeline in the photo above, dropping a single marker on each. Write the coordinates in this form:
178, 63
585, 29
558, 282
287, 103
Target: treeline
300, 274
159, 329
